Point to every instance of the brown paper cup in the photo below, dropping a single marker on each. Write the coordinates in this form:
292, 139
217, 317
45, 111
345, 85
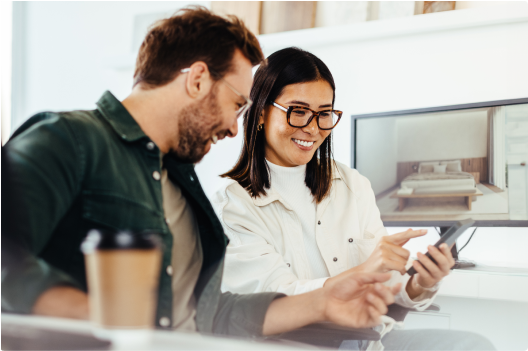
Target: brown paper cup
122, 286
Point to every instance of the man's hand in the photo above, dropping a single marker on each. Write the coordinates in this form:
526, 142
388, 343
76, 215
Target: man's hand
354, 300
389, 255
62, 301
358, 300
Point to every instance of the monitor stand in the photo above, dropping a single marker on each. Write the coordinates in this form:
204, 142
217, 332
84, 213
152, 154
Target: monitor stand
458, 263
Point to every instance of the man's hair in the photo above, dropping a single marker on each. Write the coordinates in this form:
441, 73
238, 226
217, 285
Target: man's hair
284, 67
193, 34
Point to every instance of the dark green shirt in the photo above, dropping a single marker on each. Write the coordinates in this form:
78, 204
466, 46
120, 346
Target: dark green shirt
74, 171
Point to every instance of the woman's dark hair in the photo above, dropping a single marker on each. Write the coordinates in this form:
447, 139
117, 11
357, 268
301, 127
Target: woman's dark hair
284, 67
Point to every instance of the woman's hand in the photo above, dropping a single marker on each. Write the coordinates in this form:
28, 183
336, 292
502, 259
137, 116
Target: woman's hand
389, 255
429, 272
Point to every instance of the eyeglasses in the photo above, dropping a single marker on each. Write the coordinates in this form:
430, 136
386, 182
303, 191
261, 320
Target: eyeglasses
242, 108
300, 117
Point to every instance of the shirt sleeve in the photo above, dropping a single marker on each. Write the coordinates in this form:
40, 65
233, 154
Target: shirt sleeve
43, 178
252, 264
373, 227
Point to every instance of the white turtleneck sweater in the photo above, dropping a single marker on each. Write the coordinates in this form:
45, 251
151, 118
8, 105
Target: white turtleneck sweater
289, 183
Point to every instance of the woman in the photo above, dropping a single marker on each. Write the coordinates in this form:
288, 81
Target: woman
296, 218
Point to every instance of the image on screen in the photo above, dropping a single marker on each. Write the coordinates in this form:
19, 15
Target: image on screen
447, 165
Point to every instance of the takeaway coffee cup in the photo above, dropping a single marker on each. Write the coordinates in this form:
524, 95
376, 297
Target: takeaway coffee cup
122, 271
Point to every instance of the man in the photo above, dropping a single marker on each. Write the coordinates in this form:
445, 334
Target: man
129, 165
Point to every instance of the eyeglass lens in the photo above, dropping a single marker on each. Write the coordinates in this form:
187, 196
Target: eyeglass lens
300, 117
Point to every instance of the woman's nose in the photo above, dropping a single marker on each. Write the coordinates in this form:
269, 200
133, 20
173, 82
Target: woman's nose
312, 128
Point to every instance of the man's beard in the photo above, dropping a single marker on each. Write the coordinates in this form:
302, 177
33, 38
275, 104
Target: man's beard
196, 125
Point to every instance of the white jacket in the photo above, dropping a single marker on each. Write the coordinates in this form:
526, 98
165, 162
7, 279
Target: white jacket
266, 250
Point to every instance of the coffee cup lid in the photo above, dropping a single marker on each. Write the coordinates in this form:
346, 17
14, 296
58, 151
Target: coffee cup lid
98, 239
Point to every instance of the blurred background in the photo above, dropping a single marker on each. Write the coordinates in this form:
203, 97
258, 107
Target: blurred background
384, 55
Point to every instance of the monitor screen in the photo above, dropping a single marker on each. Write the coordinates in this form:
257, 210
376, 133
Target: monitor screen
442, 165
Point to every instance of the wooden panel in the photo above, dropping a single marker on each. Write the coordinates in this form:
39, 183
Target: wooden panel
247, 11
467, 164
281, 16
438, 6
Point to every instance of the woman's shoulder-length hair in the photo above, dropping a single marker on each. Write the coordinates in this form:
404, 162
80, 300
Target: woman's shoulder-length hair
284, 67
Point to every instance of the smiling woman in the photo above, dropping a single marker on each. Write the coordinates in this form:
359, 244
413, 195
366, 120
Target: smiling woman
293, 95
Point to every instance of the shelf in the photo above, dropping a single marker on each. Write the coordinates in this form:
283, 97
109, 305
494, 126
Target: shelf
372, 30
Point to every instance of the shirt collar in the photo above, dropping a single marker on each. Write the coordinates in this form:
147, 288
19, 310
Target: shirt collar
119, 118
272, 195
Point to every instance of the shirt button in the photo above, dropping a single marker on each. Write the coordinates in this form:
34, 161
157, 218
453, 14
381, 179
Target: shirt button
350, 240
156, 175
192, 178
319, 222
287, 264
167, 221
164, 322
150, 145
335, 259
169, 270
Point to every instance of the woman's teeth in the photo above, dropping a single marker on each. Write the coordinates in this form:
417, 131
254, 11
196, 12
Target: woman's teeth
304, 143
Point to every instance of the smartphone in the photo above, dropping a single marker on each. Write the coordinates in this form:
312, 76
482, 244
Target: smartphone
449, 238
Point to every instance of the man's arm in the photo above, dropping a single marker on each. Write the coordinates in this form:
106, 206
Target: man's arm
41, 181
357, 300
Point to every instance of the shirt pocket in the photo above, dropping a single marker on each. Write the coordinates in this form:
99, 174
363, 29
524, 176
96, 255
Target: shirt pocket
360, 250
117, 212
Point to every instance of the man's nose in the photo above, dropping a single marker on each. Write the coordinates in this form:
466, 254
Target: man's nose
233, 130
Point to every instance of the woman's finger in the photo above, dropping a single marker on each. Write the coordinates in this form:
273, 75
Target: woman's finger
398, 250
441, 261
430, 266
424, 274
447, 253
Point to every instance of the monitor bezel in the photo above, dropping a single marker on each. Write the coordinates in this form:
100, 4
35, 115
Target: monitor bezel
481, 223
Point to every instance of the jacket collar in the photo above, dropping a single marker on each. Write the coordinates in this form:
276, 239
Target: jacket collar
119, 118
273, 195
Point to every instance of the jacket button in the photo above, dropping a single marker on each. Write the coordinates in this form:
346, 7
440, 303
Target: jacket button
156, 175
192, 178
164, 322
319, 222
335, 259
350, 240
167, 221
287, 264
169, 270
150, 145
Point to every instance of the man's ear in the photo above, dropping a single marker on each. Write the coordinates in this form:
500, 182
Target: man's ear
198, 82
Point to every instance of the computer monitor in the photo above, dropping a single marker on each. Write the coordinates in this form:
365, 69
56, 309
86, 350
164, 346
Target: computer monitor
435, 166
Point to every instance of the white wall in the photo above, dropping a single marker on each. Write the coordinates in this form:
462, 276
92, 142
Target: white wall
377, 154
63, 53
442, 136
6, 35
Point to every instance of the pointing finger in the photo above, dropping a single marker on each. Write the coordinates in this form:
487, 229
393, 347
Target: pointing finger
403, 237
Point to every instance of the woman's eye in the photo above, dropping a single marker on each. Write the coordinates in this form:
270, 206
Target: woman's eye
324, 114
298, 113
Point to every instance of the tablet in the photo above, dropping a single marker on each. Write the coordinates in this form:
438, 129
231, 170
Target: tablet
449, 237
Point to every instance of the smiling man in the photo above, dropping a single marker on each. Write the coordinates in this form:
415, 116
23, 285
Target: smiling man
129, 165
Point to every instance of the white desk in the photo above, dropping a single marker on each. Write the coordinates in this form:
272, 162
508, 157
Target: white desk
486, 282
158, 340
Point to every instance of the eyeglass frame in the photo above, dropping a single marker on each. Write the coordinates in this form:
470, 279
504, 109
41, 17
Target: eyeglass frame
315, 114
242, 108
